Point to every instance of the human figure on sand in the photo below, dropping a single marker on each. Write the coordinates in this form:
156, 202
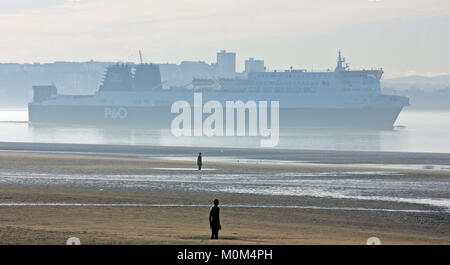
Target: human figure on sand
199, 161
214, 220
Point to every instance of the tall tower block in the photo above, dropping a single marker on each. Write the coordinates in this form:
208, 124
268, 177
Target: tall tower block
226, 64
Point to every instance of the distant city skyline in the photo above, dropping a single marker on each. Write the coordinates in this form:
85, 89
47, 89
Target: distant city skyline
402, 37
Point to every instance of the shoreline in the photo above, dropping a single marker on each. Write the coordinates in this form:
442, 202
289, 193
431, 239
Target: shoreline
318, 156
133, 215
86, 172
147, 164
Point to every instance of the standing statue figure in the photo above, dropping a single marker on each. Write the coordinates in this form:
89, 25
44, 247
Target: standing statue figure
199, 161
214, 220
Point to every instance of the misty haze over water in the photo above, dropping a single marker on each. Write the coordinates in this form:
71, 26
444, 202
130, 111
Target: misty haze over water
414, 131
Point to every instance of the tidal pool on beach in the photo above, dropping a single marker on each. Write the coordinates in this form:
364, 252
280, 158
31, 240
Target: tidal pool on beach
336, 185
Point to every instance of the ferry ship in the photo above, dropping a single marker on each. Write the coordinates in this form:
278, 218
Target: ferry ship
134, 95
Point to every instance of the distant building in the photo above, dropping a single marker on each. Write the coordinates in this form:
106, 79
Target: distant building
252, 65
226, 64
175, 75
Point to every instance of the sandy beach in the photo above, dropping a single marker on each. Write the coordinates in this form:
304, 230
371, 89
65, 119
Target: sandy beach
37, 213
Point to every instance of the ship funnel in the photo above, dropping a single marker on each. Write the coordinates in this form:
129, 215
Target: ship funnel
117, 78
147, 77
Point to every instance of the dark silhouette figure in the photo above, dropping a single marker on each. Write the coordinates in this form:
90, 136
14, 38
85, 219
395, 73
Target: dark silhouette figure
199, 161
214, 220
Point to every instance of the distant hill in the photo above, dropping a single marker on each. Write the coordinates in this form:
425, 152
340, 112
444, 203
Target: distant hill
418, 82
423, 92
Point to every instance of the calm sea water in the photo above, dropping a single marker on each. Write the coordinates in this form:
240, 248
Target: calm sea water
414, 131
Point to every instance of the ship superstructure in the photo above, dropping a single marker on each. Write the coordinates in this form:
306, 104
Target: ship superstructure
134, 95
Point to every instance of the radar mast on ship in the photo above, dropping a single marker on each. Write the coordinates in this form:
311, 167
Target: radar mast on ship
339, 66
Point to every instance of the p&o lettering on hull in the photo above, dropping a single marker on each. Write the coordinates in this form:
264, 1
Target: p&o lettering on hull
116, 113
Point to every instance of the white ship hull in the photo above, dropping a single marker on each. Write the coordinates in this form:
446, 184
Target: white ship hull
161, 117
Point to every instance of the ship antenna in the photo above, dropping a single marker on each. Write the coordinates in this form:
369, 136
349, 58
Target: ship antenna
140, 56
340, 58
339, 62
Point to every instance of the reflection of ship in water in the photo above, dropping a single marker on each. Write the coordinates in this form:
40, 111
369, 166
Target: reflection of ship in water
290, 138
339, 98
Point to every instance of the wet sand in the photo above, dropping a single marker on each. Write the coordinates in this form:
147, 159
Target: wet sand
317, 156
188, 225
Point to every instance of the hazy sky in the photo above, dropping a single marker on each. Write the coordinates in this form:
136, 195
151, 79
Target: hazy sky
402, 36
